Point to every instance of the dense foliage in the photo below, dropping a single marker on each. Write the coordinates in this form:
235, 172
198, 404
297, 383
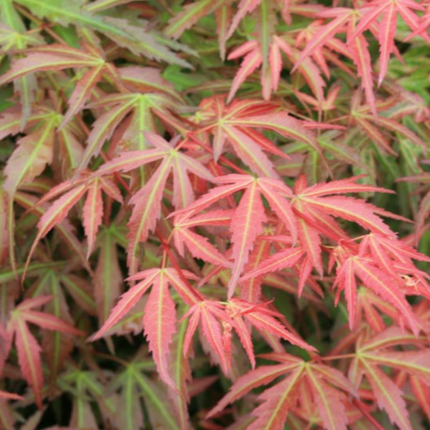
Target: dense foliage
210, 214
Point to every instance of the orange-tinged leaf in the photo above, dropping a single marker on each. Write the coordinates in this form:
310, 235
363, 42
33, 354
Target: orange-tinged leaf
421, 393
387, 30
264, 321
199, 247
249, 151
251, 62
146, 212
414, 362
245, 383
159, 321
346, 276
325, 34
92, 214
130, 160
275, 192
26, 344
250, 290
159, 318
352, 210
247, 224
65, 229
283, 124
311, 243
238, 182
126, 302
209, 314
277, 402
329, 402
389, 397
211, 329
384, 286
275, 262
50, 322
29, 359
58, 211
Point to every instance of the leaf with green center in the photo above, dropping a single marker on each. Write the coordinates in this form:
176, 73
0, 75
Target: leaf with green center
378, 351
147, 201
237, 124
383, 283
327, 389
159, 319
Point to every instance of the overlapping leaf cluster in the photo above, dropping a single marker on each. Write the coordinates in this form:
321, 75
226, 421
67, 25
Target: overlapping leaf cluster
201, 198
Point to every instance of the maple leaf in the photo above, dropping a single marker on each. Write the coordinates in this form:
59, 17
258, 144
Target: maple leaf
257, 55
309, 35
26, 344
250, 290
147, 201
374, 125
143, 106
228, 255
387, 27
344, 22
159, 319
236, 125
372, 305
392, 255
35, 150
264, 320
209, 314
377, 351
249, 216
218, 322
315, 210
381, 282
199, 246
327, 387
275, 262
58, 57
73, 191
92, 212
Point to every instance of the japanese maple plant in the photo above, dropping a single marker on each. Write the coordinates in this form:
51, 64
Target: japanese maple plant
214, 214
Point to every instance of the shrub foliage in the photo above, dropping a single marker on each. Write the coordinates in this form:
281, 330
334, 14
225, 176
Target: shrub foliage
213, 214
